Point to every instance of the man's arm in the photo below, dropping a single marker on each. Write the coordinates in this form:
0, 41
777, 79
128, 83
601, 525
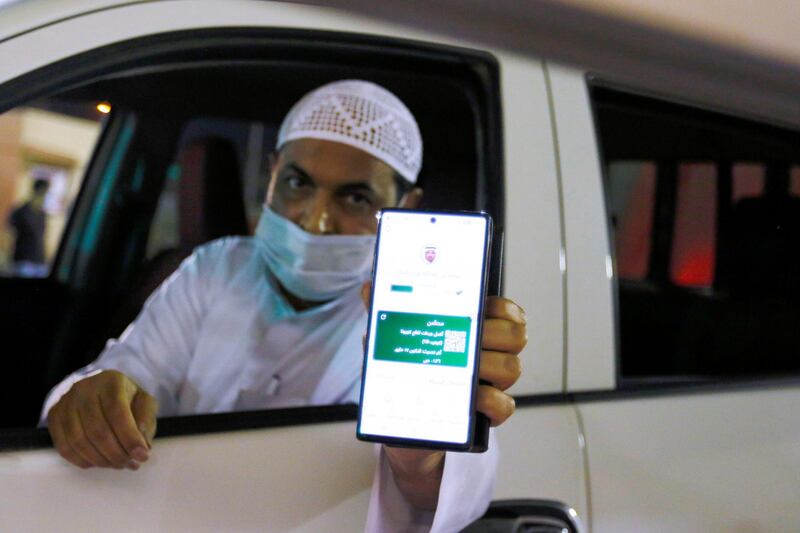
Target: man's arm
465, 490
105, 414
418, 474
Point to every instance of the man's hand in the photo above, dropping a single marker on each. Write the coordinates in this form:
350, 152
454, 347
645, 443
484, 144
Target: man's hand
418, 473
504, 337
104, 420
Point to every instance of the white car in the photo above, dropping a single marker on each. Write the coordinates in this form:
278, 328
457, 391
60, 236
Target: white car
655, 246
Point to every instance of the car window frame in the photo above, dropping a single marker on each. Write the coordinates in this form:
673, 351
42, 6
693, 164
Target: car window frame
134, 55
637, 387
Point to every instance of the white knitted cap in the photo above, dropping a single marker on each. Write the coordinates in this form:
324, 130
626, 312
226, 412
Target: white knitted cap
360, 114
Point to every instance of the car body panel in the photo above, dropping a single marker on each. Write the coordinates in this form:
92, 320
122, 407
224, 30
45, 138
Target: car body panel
299, 478
590, 339
710, 462
542, 455
532, 232
278, 479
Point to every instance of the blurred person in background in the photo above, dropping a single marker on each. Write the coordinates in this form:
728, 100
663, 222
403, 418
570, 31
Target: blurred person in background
27, 223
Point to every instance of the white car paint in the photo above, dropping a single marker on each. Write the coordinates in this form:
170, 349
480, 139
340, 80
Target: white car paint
589, 290
699, 462
713, 463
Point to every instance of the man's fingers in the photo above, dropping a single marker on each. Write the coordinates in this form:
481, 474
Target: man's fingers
73, 431
500, 369
62, 446
117, 409
102, 435
104, 420
119, 418
503, 335
145, 409
366, 290
498, 307
495, 404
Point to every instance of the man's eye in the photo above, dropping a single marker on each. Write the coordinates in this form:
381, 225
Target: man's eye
359, 199
295, 182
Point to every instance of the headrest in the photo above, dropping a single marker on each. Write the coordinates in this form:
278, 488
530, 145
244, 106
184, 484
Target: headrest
210, 197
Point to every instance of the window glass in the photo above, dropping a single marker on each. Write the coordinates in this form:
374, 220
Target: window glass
694, 237
794, 181
748, 180
164, 230
722, 297
44, 151
631, 199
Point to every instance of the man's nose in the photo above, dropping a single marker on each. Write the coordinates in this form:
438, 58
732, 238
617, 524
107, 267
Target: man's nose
317, 218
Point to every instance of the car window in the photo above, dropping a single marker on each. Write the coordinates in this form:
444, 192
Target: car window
172, 173
705, 219
46, 147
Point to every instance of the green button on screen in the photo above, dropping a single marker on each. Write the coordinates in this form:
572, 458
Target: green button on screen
402, 288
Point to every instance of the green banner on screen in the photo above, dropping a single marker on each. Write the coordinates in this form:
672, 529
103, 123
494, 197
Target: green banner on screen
422, 339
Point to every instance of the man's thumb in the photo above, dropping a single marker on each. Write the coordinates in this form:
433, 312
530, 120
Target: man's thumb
145, 408
366, 291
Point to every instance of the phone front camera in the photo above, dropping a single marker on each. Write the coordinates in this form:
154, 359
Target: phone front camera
433, 220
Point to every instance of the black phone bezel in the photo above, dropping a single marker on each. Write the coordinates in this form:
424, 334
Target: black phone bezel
419, 443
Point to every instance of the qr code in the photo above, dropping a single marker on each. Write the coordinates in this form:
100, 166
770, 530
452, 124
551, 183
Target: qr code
455, 341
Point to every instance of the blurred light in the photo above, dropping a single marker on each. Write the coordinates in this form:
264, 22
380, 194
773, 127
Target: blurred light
104, 107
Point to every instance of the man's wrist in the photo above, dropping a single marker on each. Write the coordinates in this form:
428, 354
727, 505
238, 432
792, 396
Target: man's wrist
418, 474
413, 461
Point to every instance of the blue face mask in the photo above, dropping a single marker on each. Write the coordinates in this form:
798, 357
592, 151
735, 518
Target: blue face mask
313, 267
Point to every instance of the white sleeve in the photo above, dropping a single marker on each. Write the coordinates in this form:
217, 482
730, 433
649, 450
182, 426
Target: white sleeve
156, 349
464, 495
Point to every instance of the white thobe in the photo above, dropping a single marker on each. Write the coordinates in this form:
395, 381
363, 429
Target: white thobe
218, 336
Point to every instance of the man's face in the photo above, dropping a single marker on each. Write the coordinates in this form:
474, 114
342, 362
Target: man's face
331, 188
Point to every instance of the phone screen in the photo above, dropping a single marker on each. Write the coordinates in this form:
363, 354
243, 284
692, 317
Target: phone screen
422, 341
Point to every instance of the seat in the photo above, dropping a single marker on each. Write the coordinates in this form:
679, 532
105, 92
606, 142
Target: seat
210, 206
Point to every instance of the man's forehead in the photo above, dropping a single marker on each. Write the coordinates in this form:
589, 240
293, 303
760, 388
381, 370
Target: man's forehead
323, 160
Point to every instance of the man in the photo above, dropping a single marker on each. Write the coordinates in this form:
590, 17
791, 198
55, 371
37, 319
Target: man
28, 222
277, 320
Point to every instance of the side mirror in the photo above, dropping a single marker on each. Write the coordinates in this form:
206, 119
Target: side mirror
527, 516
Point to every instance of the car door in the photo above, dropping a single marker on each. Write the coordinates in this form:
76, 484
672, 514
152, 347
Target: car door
685, 380
292, 469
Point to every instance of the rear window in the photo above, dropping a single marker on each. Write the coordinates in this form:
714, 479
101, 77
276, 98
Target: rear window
704, 212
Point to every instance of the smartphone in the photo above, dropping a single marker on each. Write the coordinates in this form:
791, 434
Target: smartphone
422, 350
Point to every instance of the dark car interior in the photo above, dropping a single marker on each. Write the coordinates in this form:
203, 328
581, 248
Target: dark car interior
185, 110
744, 321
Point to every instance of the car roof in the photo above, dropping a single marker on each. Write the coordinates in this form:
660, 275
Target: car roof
21, 16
